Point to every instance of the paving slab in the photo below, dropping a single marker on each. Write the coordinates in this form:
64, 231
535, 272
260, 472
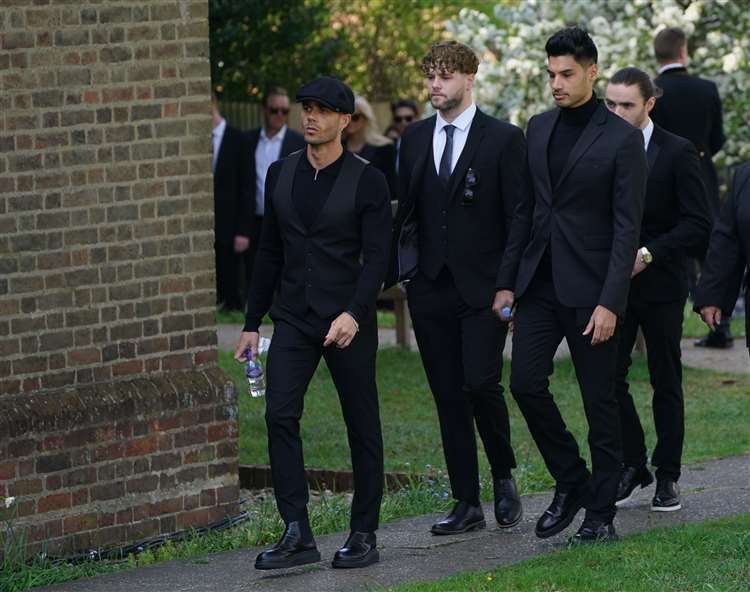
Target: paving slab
409, 553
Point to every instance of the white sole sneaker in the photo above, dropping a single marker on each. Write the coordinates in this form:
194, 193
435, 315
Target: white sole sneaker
666, 508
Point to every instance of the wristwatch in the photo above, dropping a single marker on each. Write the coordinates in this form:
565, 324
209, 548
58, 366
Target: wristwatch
646, 256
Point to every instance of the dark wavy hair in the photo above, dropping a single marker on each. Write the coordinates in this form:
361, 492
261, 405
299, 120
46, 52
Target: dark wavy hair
573, 41
450, 56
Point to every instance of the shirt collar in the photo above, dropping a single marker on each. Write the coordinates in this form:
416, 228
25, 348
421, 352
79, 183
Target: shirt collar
462, 122
278, 137
647, 132
672, 66
219, 129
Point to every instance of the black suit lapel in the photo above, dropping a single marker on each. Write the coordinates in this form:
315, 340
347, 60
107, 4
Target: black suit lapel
542, 159
654, 145
285, 145
419, 164
473, 141
591, 132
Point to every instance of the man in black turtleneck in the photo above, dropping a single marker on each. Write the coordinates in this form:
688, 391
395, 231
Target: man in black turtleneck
567, 268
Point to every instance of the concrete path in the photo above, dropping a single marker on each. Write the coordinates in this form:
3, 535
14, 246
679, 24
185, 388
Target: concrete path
734, 359
409, 553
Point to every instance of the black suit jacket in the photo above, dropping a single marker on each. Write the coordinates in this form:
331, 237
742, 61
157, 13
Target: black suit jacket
729, 252
690, 107
676, 217
232, 187
496, 151
293, 141
590, 219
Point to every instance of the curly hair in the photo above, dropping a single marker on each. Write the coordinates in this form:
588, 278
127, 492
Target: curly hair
450, 56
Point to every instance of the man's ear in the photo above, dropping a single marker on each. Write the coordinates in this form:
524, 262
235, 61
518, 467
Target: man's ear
593, 71
344, 120
650, 104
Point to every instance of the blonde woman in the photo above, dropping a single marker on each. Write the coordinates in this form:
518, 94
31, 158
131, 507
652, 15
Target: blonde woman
364, 139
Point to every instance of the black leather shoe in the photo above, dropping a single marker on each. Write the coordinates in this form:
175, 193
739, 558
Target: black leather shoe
508, 509
561, 511
716, 340
667, 496
594, 531
359, 550
463, 518
631, 478
294, 548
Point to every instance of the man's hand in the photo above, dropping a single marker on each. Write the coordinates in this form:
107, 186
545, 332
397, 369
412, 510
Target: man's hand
602, 323
503, 298
711, 315
342, 331
248, 340
241, 243
639, 265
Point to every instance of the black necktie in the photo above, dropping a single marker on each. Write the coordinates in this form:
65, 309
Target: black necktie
447, 158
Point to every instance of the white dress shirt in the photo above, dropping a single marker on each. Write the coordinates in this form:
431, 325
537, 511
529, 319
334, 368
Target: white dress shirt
218, 136
462, 124
267, 152
671, 66
647, 132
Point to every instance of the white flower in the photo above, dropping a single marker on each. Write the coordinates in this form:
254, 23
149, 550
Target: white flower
9, 501
730, 63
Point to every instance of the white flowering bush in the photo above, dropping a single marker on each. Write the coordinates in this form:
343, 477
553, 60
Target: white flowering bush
512, 81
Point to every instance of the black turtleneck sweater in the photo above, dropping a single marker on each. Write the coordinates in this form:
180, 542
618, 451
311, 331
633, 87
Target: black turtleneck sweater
568, 129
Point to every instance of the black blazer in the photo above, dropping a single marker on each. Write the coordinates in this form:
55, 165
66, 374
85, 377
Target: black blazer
676, 218
690, 107
293, 141
590, 219
496, 151
234, 188
383, 158
729, 252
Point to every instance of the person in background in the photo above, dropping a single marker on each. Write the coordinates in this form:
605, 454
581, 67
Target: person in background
363, 139
233, 205
676, 219
268, 143
404, 113
690, 107
728, 257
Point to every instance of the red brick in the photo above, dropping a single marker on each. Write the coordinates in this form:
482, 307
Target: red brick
209, 356
106, 519
192, 519
166, 442
191, 474
208, 497
56, 442
141, 512
227, 449
221, 469
58, 501
143, 484
109, 452
190, 437
25, 487
218, 432
124, 516
53, 482
127, 368
73, 524
8, 470
18, 448
53, 528
204, 455
191, 502
142, 446
80, 497
108, 491
229, 493
169, 506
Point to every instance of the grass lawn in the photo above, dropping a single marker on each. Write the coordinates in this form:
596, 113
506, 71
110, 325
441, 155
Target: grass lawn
715, 407
710, 556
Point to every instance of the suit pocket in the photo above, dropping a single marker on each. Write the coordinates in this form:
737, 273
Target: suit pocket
597, 242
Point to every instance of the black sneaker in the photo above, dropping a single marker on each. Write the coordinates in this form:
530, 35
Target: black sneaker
667, 496
631, 479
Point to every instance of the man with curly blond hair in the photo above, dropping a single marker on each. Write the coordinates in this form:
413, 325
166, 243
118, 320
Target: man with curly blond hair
461, 176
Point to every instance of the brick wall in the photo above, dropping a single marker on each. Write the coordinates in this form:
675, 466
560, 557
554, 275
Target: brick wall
106, 206
105, 465
107, 329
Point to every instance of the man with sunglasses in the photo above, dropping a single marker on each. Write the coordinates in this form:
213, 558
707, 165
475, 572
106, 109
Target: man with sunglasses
269, 143
461, 176
404, 113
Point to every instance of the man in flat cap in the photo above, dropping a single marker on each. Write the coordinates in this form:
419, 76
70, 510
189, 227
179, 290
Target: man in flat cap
324, 245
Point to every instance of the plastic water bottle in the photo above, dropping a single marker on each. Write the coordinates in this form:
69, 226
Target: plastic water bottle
505, 312
256, 378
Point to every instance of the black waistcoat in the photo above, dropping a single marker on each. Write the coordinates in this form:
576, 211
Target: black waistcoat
432, 207
322, 262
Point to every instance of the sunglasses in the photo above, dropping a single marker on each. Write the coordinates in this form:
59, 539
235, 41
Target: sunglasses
357, 116
278, 110
403, 118
471, 180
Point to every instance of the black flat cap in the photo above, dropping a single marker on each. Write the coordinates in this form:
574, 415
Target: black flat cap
330, 92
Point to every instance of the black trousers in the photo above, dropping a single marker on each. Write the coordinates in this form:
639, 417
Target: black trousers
248, 257
227, 276
540, 324
462, 353
662, 330
292, 359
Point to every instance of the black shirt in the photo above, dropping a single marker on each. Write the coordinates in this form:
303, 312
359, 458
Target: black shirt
569, 127
309, 194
